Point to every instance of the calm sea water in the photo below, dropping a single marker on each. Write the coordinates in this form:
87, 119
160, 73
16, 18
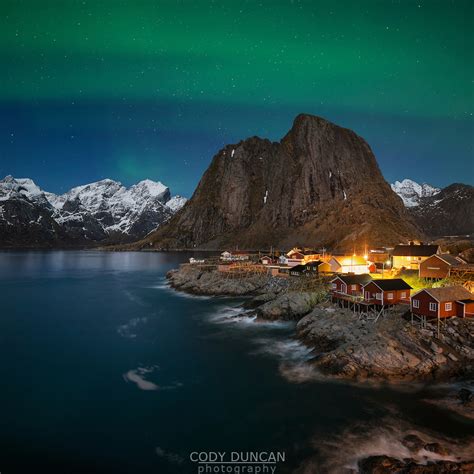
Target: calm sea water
105, 369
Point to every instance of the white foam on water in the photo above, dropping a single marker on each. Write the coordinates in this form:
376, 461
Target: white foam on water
231, 315
287, 349
172, 458
135, 299
138, 377
127, 329
241, 316
164, 285
293, 356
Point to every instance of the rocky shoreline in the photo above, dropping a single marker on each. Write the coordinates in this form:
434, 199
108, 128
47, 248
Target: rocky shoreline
345, 347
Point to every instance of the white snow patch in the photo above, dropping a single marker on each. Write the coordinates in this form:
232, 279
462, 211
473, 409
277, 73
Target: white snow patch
176, 203
411, 192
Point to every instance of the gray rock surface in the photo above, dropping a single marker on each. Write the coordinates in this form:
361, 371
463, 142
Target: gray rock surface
391, 349
291, 305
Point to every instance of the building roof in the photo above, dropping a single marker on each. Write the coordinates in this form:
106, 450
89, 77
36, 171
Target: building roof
362, 279
314, 263
415, 250
391, 284
469, 300
298, 268
450, 259
350, 260
448, 293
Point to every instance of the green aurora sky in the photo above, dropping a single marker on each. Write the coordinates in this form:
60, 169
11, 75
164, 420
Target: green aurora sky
149, 89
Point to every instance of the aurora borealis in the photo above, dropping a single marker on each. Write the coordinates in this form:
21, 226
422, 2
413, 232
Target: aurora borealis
152, 89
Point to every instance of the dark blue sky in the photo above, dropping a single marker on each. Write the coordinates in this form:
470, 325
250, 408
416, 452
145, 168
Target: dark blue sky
135, 90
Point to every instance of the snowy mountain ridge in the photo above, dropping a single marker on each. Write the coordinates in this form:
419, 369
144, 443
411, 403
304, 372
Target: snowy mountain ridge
412, 192
101, 211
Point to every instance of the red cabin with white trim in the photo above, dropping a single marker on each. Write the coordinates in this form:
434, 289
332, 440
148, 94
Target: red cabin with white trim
349, 285
387, 292
443, 302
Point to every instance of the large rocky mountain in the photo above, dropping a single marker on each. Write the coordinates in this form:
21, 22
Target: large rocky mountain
320, 185
101, 212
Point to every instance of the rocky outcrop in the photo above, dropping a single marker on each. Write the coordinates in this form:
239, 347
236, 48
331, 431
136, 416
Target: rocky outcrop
391, 349
320, 185
192, 279
272, 297
449, 212
288, 306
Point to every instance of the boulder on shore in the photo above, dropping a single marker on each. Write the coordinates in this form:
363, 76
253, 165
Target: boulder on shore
291, 305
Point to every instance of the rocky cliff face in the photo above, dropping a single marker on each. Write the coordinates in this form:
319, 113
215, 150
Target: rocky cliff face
320, 185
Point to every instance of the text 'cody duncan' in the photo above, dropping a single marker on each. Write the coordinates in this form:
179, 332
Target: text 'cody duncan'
237, 461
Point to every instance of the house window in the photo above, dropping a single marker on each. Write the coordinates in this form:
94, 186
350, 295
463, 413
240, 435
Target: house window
404, 294
390, 296
354, 287
416, 303
334, 286
448, 306
433, 306
378, 296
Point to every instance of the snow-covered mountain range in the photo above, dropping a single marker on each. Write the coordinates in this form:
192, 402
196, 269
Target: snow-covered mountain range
411, 192
104, 211
439, 212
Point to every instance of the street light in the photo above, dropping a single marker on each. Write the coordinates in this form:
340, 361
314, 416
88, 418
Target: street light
383, 266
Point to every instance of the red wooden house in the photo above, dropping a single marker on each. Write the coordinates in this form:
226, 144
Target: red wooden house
443, 302
387, 292
439, 266
349, 285
466, 307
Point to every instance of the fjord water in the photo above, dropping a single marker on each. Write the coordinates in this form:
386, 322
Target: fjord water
105, 369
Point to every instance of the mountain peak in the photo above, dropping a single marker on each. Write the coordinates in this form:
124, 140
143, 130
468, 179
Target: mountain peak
153, 188
412, 192
101, 211
304, 190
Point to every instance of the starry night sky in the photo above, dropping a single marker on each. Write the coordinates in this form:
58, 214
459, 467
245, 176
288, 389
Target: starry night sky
152, 89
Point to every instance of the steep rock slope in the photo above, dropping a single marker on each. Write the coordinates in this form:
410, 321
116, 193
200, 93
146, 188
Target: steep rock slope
447, 213
320, 185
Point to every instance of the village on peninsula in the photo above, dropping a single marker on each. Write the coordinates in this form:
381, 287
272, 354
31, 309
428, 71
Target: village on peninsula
394, 314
